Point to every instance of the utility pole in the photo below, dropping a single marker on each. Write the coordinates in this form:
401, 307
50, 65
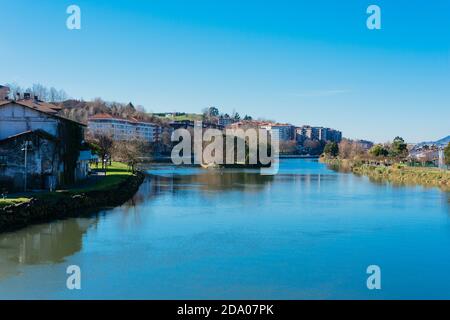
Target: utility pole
25, 147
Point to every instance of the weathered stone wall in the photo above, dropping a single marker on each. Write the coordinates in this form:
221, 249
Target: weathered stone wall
39, 211
43, 161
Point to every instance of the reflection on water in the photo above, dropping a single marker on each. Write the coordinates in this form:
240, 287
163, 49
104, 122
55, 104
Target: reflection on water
189, 233
171, 179
47, 243
212, 181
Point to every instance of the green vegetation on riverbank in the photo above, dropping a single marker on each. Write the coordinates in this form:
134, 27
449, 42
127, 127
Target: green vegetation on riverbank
116, 174
8, 202
396, 173
118, 186
386, 162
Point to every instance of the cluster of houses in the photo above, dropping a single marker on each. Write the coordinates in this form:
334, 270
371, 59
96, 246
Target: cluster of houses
128, 129
428, 154
288, 132
38, 148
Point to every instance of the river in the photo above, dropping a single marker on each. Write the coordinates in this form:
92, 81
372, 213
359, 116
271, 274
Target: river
306, 233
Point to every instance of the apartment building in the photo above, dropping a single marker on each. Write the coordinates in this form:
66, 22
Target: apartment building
317, 133
286, 131
225, 121
121, 129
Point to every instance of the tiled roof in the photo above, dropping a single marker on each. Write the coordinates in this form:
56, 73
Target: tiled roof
40, 106
31, 103
104, 116
254, 123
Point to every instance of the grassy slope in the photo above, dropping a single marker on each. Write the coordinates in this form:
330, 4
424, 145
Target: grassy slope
190, 117
116, 173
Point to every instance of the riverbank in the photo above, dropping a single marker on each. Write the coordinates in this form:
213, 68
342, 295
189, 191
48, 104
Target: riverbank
297, 156
188, 230
397, 173
113, 189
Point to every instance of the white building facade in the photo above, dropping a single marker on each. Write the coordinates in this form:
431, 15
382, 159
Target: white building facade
33, 149
124, 129
286, 131
17, 117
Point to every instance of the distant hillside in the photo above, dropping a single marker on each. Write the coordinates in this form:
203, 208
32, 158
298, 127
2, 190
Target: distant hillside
444, 141
80, 111
190, 117
441, 143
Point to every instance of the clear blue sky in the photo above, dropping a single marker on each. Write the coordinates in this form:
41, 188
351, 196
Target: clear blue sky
304, 62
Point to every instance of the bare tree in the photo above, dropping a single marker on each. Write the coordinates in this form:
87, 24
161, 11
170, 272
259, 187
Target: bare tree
40, 91
350, 149
53, 94
131, 152
104, 146
14, 89
288, 146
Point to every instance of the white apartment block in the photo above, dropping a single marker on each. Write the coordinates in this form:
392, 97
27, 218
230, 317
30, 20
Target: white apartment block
124, 129
286, 131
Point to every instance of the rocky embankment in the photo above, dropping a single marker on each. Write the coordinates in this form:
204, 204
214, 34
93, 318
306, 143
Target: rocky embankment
63, 206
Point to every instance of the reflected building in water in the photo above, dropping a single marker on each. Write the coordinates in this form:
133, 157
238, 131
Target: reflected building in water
41, 244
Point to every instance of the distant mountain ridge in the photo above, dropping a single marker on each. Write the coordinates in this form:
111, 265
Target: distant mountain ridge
441, 143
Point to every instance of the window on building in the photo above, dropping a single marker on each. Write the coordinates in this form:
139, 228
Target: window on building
3, 160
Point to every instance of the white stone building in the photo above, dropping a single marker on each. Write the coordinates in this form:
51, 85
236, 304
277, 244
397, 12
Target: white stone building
124, 129
27, 115
38, 146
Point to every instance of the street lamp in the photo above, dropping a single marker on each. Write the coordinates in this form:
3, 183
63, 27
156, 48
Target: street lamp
441, 158
25, 147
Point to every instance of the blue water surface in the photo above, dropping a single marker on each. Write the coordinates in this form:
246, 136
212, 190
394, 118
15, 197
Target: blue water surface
305, 233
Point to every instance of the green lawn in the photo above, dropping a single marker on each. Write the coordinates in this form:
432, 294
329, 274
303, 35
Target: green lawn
7, 202
190, 117
115, 174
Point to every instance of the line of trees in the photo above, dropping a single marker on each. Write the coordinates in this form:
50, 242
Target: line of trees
212, 113
447, 154
42, 92
129, 152
397, 150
